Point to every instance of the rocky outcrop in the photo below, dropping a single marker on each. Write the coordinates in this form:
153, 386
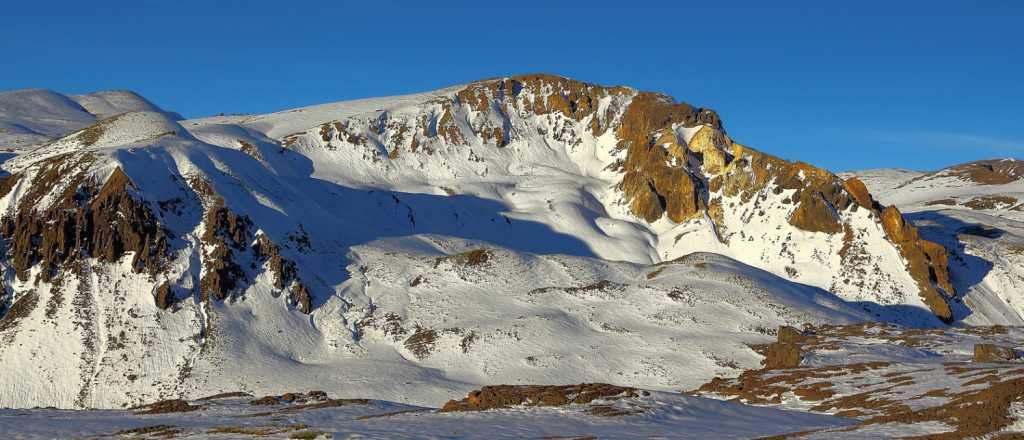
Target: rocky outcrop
786, 351
856, 188
781, 355
164, 296
83, 220
226, 233
927, 262
231, 240
657, 180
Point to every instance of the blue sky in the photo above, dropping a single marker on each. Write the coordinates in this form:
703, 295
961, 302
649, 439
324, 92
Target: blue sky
845, 85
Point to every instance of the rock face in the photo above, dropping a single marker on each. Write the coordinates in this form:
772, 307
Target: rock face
103, 222
781, 355
927, 262
786, 352
230, 238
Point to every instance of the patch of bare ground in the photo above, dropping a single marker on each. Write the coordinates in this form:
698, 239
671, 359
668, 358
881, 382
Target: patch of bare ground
991, 202
167, 406
297, 402
256, 431
505, 396
153, 431
973, 413
393, 413
471, 258
229, 395
994, 353
312, 396
421, 343
949, 202
973, 398
558, 437
308, 435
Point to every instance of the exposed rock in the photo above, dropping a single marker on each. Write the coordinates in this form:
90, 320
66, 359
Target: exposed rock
790, 335
227, 395
7, 183
994, 353
814, 213
226, 233
164, 296
300, 297
299, 398
421, 343
229, 237
505, 396
104, 223
780, 355
927, 262
474, 257
985, 172
856, 188
991, 202
167, 406
652, 182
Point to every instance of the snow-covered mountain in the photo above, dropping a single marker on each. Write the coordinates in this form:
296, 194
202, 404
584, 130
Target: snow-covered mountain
532, 229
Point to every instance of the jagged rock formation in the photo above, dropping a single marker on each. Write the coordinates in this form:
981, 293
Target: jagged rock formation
927, 261
85, 220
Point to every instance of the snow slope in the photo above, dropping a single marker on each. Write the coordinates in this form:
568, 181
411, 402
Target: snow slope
34, 116
105, 104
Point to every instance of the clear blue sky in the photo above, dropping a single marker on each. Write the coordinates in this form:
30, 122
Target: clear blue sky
846, 85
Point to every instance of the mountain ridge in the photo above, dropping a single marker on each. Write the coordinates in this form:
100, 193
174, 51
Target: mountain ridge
251, 246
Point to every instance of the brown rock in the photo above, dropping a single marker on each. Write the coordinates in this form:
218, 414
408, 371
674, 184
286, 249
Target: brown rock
896, 228
781, 355
859, 192
790, 335
164, 296
927, 262
105, 223
167, 406
421, 343
300, 297
994, 353
814, 213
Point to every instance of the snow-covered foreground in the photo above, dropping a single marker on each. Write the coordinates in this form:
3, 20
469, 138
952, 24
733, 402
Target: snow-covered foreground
663, 415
